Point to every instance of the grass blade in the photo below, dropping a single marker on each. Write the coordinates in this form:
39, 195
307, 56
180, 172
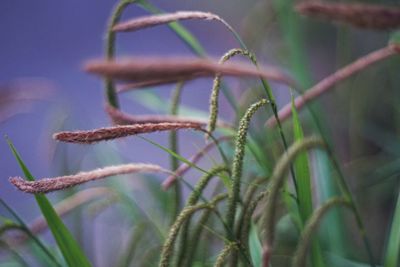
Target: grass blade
302, 171
255, 246
69, 248
393, 245
333, 227
303, 177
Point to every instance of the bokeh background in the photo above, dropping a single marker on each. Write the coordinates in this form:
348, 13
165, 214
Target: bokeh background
43, 90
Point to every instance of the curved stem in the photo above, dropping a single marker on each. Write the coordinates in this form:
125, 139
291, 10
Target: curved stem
192, 200
168, 246
251, 190
277, 180
300, 256
111, 95
213, 106
228, 248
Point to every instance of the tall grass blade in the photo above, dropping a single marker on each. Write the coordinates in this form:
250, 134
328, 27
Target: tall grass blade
302, 170
332, 228
303, 177
69, 248
393, 245
255, 246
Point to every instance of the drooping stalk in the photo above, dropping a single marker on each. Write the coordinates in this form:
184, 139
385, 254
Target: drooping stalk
277, 181
247, 201
300, 255
237, 166
192, 200
169, 243
228, 248
217, 84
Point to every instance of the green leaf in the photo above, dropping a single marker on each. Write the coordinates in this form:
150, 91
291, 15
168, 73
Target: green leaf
302, 171
333, 226
393, 245
255, 246
303, 177
70, 249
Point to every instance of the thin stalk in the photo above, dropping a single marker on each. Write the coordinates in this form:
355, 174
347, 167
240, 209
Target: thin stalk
173, 145
110, 48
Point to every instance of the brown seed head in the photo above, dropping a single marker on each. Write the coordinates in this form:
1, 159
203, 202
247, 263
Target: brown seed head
367, 16
166, 69
154, 20
46, 185
109, 133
